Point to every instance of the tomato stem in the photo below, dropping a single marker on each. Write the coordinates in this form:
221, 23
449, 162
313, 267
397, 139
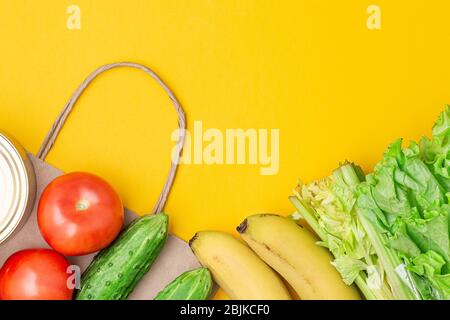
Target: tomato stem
82, 205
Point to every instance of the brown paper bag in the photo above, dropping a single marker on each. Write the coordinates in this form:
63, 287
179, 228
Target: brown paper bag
176, 256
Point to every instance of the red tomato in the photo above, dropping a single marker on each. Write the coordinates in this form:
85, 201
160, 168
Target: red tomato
79, 213
35, 274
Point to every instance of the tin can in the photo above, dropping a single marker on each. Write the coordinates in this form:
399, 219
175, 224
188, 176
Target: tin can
17, 186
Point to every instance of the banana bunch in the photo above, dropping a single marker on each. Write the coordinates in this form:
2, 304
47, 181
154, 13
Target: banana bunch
236, 268
243, 271
292, 251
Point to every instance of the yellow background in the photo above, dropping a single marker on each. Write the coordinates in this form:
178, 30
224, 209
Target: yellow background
335, 89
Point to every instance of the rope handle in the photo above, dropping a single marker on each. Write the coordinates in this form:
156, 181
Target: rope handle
52, 135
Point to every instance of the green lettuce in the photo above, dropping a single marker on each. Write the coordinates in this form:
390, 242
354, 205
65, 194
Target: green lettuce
328, 207
403, 206
388, 231
436, 152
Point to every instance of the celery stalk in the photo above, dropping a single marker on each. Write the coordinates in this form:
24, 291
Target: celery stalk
328, 207
403, 289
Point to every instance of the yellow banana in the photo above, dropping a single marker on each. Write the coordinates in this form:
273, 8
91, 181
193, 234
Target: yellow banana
292, 251
236, 268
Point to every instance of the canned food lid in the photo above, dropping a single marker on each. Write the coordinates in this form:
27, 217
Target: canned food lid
14, 188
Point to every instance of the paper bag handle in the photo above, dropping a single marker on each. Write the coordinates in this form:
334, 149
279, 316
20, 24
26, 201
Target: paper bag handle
62, 117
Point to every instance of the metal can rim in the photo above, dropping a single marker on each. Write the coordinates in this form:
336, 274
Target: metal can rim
25, 201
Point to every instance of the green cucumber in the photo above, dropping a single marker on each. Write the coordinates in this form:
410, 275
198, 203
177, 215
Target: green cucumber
116, 270
191, 285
